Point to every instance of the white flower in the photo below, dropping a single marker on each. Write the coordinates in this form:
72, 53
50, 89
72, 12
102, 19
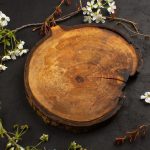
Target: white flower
146, 97
85, 11
91, 5
97, 17
6, 57
88, 19
13, 54
99, 3
2, 67
94, 10
17, 52
24, 51
111, 8
20, 45
3, 20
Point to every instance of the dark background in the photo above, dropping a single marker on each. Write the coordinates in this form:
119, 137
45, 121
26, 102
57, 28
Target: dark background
15, 107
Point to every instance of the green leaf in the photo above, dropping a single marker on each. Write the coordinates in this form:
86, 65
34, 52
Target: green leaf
0, 36
7, 43
2, 130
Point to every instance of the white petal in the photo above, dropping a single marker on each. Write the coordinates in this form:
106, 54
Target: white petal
20, 46
92, 2
84, 8
112, 11
143, 97
4, 67
147, 94
22, 42
8, 19
13, 57
109, 9
147, 100
95, 6
114, 7
88, 3
4, 23
94, 18
89, 9
97, 21
6, 58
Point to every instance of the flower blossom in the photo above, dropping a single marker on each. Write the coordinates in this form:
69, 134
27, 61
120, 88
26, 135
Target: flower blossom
97, 17
93, 11
111, 8
20, 45
88, 19
6, 57
12, 48
146, 97
3, 19
2, 67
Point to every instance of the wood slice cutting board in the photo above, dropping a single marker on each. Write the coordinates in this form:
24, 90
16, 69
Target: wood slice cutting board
75, 76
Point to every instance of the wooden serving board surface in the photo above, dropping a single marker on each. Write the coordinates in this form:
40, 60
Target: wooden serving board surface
75, 76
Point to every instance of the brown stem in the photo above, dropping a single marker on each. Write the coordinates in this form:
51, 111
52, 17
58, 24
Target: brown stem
68, 16
134, 32
27, 26
131, 136
63, 18
52, 15
133, 24
124, 22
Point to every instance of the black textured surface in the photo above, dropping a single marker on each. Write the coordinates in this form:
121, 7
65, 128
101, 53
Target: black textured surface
15, 107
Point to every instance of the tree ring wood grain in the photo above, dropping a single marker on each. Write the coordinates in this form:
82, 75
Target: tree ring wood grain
75, 76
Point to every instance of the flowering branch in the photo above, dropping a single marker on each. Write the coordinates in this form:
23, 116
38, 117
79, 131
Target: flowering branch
13, 138
134, 32
109, 5
12, 47
133, 135
27, 26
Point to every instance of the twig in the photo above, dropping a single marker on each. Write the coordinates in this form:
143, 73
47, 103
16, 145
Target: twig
122, 21
132, 135
68, 16
134, 32
27, 26
63, 18
133, 24
52, 15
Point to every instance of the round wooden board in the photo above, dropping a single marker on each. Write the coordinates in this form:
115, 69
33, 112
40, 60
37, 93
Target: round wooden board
75, 76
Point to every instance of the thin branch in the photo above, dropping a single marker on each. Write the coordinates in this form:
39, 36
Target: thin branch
68, 16
131, 136
52, 15
133, 24
63, 18
134, 32
127, 24
27, 26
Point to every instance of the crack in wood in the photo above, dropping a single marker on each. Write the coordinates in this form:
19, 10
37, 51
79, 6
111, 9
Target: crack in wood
109, 78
